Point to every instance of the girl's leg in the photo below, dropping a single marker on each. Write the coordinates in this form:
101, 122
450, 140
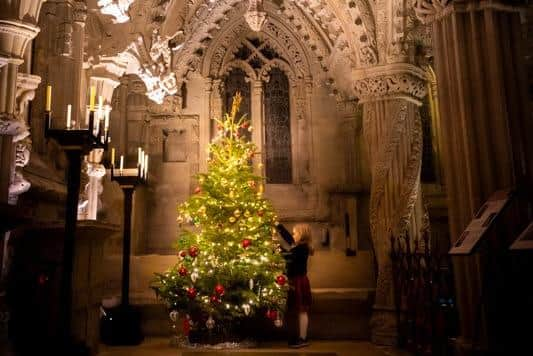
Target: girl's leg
303, 321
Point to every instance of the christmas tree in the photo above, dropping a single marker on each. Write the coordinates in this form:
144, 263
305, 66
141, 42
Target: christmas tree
229, 267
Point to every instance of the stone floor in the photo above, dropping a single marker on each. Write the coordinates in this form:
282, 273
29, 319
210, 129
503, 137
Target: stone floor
161, 347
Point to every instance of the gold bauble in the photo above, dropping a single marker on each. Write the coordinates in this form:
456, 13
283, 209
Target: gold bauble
247, 213
237, 213
232, 219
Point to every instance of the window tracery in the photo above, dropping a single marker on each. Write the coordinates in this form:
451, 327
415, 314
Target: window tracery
277, 129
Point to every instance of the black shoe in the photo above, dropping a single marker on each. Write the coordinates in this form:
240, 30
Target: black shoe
299, 343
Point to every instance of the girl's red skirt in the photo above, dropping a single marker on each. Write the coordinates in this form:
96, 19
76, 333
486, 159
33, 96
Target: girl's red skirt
299, 296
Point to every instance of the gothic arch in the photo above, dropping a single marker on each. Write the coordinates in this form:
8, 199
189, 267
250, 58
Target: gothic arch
246, 68
222, 49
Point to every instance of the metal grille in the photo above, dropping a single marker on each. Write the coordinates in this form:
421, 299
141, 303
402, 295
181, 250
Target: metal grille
278, 129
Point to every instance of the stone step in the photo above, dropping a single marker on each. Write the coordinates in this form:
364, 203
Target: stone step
337, 314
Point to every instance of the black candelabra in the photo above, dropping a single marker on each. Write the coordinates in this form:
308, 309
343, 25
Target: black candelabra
76, 143
121, 325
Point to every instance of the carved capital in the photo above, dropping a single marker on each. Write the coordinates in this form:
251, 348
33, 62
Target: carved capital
393, 81
14, 37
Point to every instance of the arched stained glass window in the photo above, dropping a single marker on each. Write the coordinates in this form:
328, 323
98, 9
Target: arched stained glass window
236, 81
278, 129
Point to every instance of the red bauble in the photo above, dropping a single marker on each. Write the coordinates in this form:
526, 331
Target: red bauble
182, 271
260, 212
252, 184
219, 289
214, 299
191, 292
281, 280
193, 251
245, 125
272, 314
246, 243
197, 190
42, 279
182, 253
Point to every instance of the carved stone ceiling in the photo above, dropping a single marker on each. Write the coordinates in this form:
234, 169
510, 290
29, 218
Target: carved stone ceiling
163, 40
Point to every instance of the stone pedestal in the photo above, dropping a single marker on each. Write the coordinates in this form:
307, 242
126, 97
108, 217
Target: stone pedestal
390, 96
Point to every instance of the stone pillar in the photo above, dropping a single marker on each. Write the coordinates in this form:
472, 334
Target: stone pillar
258, 136
90, 203
207, 129
390, 96
18, 26
485, 124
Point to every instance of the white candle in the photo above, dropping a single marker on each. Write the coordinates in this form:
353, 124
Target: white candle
121, 163
141, 166
100, 111
96, 127
139, 154
69, 113
146, 166
106, 123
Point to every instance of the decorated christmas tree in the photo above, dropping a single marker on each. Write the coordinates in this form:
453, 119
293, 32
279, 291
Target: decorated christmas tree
229, 268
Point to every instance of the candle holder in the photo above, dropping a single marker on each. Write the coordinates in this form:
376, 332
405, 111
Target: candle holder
85, 139
121, 325
76, 143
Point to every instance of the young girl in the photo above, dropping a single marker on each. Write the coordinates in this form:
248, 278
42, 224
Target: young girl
299, 297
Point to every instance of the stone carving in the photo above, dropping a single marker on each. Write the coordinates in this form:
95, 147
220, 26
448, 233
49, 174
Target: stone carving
18, 128
154, 66
116, 8
90, 203
255, 16
391, 81
428, 10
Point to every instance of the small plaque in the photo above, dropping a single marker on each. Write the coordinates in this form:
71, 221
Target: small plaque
482, 221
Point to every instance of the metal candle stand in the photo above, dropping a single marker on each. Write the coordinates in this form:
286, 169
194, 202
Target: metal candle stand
121, 325
76, 143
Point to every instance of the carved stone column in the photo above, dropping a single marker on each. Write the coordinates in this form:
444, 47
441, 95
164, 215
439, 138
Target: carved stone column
390, 96
26, 86
485, 123
257, 122
18, 27
207, 128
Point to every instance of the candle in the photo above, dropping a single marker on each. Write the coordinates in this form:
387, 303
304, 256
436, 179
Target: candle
106, 123
96, 127
92, 97
121, 163
141, 166
139, 153
69, 113
113, 157
100, 107
48, 98
146, 166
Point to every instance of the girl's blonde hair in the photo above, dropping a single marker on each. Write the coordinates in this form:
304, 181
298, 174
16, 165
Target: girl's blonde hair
302, 236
